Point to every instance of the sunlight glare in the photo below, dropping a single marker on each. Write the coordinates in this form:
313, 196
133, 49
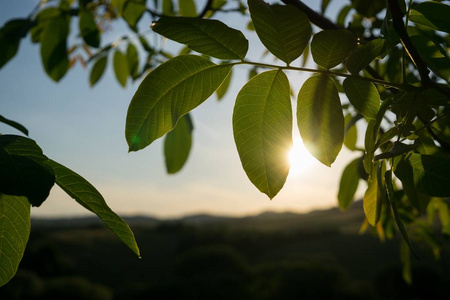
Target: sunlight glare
300, 159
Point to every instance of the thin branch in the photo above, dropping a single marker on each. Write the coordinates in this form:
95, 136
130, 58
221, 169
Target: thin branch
326, 24
397, 20
313, 16
404, 87
207, 8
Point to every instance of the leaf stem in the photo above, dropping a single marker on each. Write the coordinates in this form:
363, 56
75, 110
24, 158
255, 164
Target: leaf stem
374, 80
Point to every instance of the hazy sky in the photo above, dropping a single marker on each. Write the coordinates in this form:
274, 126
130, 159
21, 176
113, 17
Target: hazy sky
83, 128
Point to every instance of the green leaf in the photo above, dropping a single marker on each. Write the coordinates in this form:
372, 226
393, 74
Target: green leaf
133, 11
10, 35
14, 124
98, 69
324, 6
87, 196
54, 47
330, 47
177, 144
368, 8
14, 233
371, 137
351, 134
432, 14
121, 68
428, 173
342, 16
320, 119
23, 171
88, 29
167, 8
210, 37
118, 4
283, 29
187, 8
262, 126
223, 88
348, 184
363, 95
436, 60
169, 92
405, 257
372, 199
362, 56
133, 61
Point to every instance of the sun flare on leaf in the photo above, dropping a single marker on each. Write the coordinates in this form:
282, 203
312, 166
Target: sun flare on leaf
300, 159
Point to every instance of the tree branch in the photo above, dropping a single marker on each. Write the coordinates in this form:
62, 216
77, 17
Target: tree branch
313, 16
397, 19
207, 8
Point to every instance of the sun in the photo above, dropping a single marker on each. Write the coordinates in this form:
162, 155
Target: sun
300, 159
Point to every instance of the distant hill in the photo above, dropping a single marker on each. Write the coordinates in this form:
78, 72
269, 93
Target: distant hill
316, 255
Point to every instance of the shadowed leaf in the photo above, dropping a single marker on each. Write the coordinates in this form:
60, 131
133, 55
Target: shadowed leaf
177, 144
14, 124
98, 69
432, 14
23, 171
363, 95
330, 47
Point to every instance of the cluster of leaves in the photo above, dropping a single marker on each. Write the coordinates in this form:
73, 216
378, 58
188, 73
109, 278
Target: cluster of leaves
389, 59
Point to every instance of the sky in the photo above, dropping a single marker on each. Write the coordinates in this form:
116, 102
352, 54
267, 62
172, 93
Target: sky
83, 128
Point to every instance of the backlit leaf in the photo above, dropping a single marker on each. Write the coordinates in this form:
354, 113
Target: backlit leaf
98, 69
362, 56
133, 11
14, 233
187, 8
167, 7
23, 171
87, 196
283, 29
54, 47
432, 14
210, 37
350, 137
88, 29
262, 126
320, 119
330, 47
14, 124
348, 184
169, 92
372, 199
363, 95
177, 144
121, 68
